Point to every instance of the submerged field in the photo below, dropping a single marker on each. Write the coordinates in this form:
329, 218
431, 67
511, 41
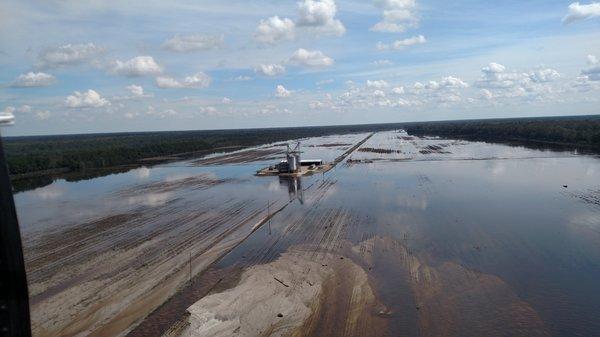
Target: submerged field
410, 236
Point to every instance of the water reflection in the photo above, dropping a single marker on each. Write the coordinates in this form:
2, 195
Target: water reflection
294, 186
49, 192
142, 173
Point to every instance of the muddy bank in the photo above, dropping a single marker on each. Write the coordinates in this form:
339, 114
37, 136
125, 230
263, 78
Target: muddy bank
375, 288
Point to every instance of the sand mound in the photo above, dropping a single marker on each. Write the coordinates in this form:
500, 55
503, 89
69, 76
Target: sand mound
282, 298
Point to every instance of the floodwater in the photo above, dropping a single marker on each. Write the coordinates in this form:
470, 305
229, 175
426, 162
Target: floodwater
456, 238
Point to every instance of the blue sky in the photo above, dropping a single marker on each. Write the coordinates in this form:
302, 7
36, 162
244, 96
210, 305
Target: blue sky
107, 66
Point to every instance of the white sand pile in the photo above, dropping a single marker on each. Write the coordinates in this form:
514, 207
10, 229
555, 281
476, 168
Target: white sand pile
274, 299
253, 306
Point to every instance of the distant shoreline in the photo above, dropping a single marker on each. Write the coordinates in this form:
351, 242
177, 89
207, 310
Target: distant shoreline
35, 161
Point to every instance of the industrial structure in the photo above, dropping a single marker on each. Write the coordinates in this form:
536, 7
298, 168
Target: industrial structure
292, 161
293, 165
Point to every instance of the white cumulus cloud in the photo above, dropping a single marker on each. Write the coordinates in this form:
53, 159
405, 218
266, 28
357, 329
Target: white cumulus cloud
68, 54
198, 80
281, 91
452, 82
25, 108
486, 94
137, 66
499, 82
161, 113
401, 44
32, 79
382, 63
87, 99
209, 110
377, 84
321, 16
193, 42
315, 17
398, 16
390, 4
42, 115
274, 29
378, 93
398, 90
542, 75
593, 72
579, 12
311, 58
270, 69
7, 115
136, 90
494, 75
242, 78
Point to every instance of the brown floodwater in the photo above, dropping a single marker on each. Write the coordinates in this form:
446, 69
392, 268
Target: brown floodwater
457, 238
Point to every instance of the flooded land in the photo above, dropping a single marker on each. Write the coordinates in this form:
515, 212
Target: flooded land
406, 236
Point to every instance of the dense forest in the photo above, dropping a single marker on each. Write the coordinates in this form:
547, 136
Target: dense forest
578, 131
27, 156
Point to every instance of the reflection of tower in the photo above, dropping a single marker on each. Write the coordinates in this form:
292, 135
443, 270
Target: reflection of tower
294, 185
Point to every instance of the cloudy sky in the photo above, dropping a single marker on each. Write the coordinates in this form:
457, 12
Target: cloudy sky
80, 66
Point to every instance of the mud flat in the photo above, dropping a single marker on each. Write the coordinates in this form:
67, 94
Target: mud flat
103, 276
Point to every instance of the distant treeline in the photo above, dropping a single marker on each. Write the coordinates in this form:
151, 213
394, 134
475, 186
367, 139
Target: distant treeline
578, 131
68, 153
76, 153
